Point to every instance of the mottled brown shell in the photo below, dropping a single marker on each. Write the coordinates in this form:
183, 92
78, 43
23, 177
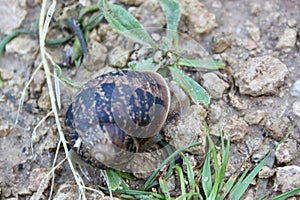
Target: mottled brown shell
115, 111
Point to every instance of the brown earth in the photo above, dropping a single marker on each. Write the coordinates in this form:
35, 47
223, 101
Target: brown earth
256, 100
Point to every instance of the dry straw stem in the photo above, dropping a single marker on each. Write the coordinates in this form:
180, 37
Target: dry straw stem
43, 28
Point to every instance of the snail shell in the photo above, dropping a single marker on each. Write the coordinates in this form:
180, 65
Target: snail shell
113, 113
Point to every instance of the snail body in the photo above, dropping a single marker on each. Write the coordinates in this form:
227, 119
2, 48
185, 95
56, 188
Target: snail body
114, 113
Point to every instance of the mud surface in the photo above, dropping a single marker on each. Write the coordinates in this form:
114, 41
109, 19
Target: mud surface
255, 100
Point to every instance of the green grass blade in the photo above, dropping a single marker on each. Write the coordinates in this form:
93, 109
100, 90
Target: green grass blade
218, 179
172, 11
124, 23
206, 176
136, 193
190, 195
287, 194
209, 64
164, 188
181, 179
190, 173
58, 41
93, 22
225, 158
226, 188
86, 10
115, 181
238, 191
11, 36
175, 153
196, 92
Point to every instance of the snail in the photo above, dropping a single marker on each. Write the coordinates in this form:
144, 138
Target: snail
116, 114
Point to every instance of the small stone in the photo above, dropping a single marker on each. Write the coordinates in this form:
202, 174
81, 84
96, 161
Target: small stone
118, 57
97, 56
158, 56
39, 179
255, 9
70, 190
254, 31
66, 191
156, 37
259, 147
44, 101
249, 44
236, 129
286, 152
197, 17
4, 130
295, 90
219, 43
278, 128
214, 85
288, 39
237, 102
292, 23
22, 45
37, 83
261, 76
150, 14
24, 191
6, 74
254, 118
187, 129
296, 108
249, 195
266, 172
288, 178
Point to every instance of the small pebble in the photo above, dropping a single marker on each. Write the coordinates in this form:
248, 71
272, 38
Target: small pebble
214, 85
97, 56
288, 178
286, 152
295, 90
254, 118
118, 57
266, 172
219, 43
261, 76
278, 128
236, 128
4, 130
292, 23
197, 17
296, 108
287, 39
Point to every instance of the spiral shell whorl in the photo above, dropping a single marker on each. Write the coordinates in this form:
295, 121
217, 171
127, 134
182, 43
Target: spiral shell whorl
114, 110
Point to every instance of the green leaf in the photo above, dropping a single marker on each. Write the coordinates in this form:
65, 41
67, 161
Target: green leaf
164, 188
172, 12
181, 179
196, 92
114, 179
124, 23
190, 172
144, 65
203, 64
206, 176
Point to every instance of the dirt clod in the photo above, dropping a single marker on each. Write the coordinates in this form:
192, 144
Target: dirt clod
261, 76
